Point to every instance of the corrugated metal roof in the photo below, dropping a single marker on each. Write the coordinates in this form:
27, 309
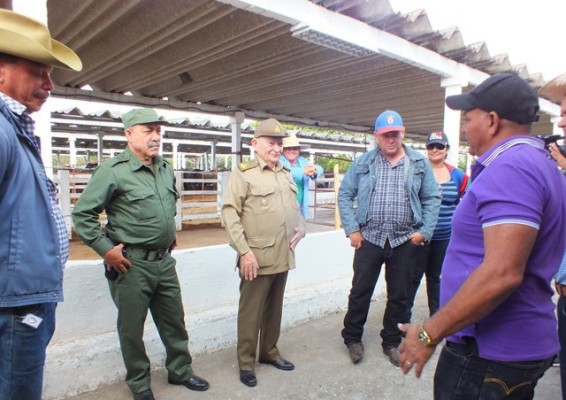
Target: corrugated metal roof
205, 54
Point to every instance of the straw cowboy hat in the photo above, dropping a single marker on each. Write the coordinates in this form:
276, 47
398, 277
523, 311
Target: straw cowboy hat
293, 141
27, 38
555, 89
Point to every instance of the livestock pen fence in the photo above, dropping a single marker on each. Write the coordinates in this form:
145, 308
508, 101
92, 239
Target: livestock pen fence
201, 196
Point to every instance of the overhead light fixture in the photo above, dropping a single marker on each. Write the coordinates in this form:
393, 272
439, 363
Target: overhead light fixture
305, 32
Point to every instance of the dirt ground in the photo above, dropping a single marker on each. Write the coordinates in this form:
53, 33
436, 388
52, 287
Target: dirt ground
191, 237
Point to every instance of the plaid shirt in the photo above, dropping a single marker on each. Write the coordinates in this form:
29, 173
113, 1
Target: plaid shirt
28, 124
389, 210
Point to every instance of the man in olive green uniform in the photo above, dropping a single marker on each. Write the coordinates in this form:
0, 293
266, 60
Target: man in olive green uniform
137, 191
262, 217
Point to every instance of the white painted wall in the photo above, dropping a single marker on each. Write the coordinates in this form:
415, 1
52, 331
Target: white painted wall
85, 352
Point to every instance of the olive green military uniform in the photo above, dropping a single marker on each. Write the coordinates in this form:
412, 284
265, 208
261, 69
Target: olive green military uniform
140, 207
260, 211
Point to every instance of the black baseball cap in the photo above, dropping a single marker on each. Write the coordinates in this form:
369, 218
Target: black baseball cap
437, 138
510, 96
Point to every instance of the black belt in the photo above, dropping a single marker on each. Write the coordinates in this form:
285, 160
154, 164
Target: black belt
145, 254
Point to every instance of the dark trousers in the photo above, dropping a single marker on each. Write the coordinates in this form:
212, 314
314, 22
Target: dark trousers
259, 315
434, 254
400, 268
462, 375
561, 311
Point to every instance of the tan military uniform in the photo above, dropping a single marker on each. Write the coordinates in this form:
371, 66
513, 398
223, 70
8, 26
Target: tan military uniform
260, 212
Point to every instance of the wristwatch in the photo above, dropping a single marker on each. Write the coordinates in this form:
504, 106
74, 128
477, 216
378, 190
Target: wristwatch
424, 337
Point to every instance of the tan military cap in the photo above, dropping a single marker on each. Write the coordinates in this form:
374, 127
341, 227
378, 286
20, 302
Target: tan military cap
270, 127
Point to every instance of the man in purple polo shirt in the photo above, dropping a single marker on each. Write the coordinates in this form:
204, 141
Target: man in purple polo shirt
497, 313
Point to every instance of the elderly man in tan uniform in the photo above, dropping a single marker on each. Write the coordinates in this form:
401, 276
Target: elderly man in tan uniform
262, 216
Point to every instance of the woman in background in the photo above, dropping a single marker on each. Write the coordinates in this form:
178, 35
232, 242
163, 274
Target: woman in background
302, 170
452, 183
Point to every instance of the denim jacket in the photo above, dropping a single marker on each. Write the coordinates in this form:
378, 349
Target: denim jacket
359, 183
30, 263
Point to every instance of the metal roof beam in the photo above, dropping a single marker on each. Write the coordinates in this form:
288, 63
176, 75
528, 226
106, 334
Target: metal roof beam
357, 33
165, 104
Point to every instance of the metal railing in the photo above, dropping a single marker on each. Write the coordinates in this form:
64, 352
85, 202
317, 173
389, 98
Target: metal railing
200, 196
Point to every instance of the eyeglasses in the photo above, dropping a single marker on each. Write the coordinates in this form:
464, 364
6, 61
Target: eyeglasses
292, 148
438, 146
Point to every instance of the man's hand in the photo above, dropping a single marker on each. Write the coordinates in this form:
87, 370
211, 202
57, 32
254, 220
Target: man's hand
249, 266
356, 239
299, 234
413, 353
114, 259
417, 238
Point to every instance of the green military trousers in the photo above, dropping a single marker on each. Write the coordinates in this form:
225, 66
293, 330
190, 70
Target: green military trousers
259, 314
152, 285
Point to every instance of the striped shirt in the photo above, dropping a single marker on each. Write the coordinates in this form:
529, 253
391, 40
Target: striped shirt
449, 196
389, 212
19, 111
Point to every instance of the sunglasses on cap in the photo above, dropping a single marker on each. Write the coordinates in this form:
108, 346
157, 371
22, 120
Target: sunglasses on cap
438, 146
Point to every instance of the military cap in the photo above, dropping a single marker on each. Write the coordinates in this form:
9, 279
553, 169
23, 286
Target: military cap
140, 116
270, 127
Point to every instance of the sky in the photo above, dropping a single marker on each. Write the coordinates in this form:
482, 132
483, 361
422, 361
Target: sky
529, 32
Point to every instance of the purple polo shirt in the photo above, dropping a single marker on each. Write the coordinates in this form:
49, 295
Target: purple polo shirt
513, 182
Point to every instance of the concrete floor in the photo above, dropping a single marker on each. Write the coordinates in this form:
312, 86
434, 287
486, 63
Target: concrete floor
323, 370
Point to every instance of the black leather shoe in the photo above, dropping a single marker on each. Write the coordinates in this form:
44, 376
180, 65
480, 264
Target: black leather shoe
279, 363
248, 378
144, 395
193, 383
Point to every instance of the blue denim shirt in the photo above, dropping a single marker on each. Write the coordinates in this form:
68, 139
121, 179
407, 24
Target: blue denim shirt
359, 183
30, 261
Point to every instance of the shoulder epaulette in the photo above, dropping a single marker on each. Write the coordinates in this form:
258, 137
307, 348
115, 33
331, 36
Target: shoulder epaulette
243, 166
286, 168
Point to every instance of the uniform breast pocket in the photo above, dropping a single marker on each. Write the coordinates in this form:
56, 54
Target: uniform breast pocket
142, 204
263, 199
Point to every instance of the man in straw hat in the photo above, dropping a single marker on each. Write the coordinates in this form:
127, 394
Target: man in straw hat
137, 191
555, 90
301, 169
496, 310
262, 218
35, 244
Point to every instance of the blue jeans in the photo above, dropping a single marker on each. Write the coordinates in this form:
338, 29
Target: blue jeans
22, 351
401, 264
462, 375
561, 311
